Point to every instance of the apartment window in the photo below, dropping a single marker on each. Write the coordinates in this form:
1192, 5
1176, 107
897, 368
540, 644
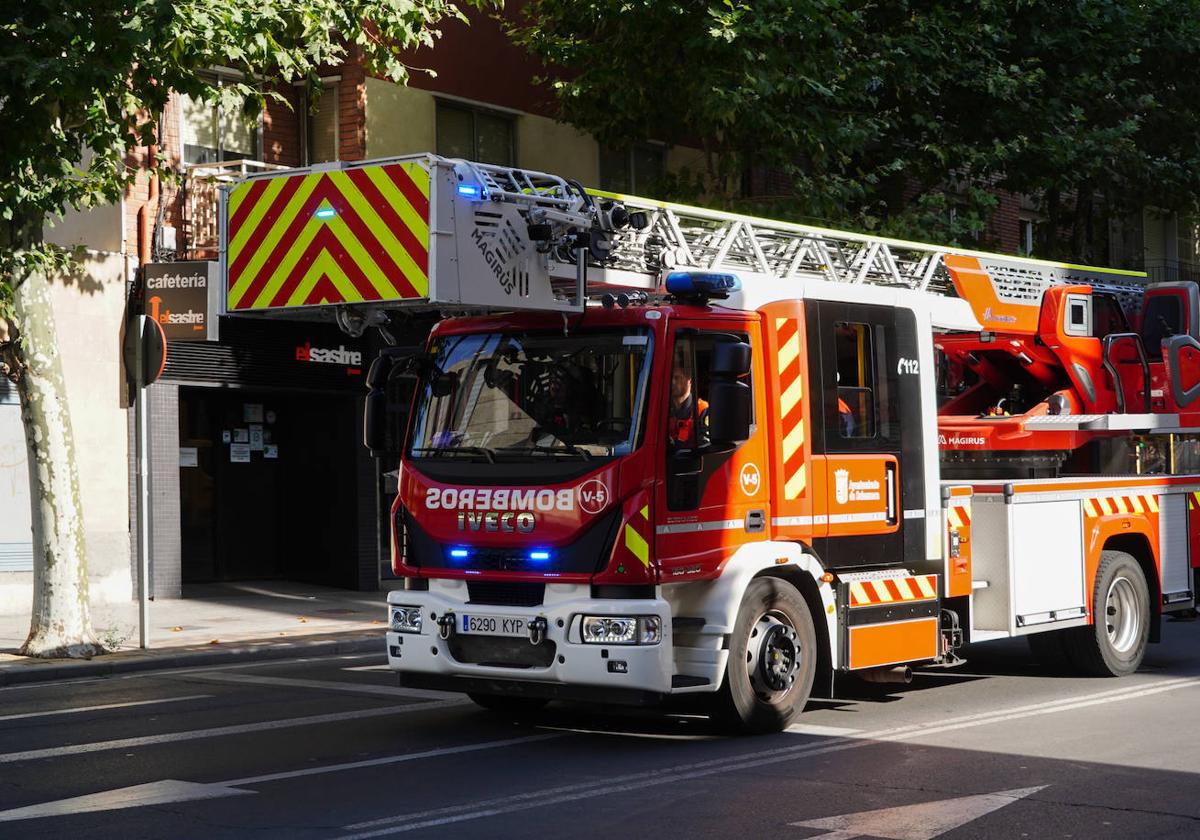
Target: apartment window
1025, 236
632, 170
474, 134
321, 126
212, 134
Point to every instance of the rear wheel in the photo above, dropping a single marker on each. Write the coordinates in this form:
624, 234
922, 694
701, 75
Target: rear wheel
1116, 643
509, 705
772, 659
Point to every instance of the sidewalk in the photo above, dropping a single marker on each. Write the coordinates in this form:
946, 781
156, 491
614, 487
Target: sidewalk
214, 623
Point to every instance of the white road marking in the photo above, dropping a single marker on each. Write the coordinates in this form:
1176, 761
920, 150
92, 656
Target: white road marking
169, 791
670, 775
222, 731
1050, 707
824, 731
100, 708
393, 759
155, 793
923, 821
327, 685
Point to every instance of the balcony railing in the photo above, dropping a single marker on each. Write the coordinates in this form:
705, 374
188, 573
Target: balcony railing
1172, 271
201, 202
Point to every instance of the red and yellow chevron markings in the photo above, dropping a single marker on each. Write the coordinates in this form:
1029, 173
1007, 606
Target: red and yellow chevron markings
1110, 505
1194, 501
343, 236
634, 550
791, 408
959, 516
866, 593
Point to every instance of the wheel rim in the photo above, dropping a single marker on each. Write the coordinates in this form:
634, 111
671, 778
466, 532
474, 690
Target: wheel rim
1123, 616
773, 656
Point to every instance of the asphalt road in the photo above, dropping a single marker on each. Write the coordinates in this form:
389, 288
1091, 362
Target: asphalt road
332, 748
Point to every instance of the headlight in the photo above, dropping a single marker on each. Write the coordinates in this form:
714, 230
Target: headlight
406, 619
621, 629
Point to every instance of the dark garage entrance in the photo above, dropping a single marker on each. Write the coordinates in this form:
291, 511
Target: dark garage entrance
274, 483
272, 493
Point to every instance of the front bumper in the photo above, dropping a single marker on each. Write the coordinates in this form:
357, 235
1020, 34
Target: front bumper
561, 666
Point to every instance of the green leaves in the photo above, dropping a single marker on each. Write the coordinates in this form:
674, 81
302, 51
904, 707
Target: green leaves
885, 115
85, 80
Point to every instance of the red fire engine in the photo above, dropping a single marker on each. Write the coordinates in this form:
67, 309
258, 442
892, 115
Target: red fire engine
652, 450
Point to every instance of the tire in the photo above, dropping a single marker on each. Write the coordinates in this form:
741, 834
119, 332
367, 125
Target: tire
1049, 648
773, 624
1116, 643
509, 705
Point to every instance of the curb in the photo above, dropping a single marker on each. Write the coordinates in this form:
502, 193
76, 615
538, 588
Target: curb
124, 663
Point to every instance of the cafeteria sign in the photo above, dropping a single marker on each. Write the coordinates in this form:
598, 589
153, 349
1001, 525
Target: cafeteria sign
179, 297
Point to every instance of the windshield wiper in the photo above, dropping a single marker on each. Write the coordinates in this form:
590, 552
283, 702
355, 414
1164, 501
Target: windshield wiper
482, 451
565, 449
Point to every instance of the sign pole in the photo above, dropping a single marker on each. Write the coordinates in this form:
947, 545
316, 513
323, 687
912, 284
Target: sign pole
144, 518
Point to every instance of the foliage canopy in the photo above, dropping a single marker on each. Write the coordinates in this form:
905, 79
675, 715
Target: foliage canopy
884, 114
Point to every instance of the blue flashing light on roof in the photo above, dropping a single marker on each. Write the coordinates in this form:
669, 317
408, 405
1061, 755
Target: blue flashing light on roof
539, 556
470, 190
325, 213
703, 284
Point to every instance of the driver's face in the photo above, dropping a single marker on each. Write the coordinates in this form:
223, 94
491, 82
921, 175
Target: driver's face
681, 384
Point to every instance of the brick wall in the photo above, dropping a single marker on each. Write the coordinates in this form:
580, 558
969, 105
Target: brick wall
352, 117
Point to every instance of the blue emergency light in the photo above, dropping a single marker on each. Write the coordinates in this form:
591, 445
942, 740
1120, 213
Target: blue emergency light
702, 284
325, 213
539, 555
470, 190
459, 553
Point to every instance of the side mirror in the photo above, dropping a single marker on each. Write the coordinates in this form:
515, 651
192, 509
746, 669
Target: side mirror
731, 360
729, 411
730, 401
389, 399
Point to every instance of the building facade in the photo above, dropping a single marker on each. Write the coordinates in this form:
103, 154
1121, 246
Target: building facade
257, 469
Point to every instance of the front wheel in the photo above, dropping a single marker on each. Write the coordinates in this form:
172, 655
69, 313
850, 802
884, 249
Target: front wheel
772, 659
1116, 643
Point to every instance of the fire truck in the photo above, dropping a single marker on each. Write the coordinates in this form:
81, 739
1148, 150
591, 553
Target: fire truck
654, 453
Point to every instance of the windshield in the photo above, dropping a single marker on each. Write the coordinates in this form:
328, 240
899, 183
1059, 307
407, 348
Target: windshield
521, 396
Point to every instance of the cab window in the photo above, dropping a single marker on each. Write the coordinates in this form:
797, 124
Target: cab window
855, 380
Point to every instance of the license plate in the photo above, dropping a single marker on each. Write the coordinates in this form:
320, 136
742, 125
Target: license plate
492, 625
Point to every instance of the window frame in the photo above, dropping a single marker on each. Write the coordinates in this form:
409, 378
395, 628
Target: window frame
867, 358
330, 85
475, 112
221, 75
660, 149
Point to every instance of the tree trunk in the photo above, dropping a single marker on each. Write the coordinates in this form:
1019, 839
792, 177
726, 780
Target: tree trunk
61, 624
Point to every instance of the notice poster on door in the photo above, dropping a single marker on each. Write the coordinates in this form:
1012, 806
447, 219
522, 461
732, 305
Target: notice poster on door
189, 456
239, 453
252, 412
256, 437
271, 451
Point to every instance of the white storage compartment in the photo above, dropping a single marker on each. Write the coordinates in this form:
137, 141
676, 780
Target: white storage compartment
1046, 555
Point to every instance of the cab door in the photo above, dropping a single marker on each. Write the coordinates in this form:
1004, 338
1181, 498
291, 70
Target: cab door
713, 499
867, 434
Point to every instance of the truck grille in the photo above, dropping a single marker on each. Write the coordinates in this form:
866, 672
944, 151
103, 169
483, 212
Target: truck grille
501, 652
505, 594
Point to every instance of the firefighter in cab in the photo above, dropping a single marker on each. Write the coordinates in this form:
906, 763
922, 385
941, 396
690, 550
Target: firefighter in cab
686, 410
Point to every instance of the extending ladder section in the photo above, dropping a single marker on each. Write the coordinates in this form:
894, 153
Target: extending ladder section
427, 231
